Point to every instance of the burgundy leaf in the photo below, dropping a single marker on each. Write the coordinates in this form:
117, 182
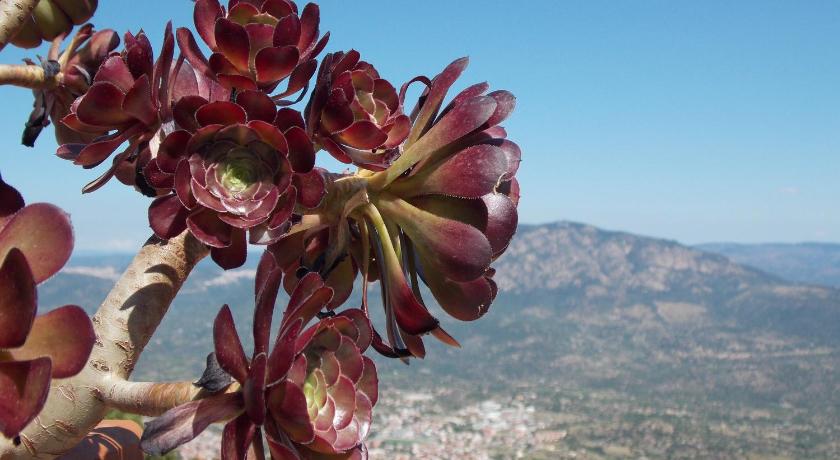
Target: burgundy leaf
138, 101
233, 255
102, 105
206, 226
228, 347
168, 216
434, 99
237, 437
43, 234
24, 387
275, 63
470, 173
310, 187
363, 135
232, 41
19, 299
253, 390
65, 335
220, 113
460, 251
183, 423
11, 202
502, 219
301, 150
257, 105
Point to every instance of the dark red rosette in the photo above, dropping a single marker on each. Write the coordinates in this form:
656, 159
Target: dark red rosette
78, 64
256, 44
312, 393
35, 242
230, 170
447, 200
440, 214
354, 113
129, 99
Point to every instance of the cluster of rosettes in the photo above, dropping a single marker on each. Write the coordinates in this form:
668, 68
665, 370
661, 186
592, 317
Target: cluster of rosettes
35, 242
311, 394
212, 140
440, 212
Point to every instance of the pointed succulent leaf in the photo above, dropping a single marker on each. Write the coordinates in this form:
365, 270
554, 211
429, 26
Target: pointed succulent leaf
470, 173
459, 122
434, 98
228, 347
237, 437
18, 299
458, 250
183, 423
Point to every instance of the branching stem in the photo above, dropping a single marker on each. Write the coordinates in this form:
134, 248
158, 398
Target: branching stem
152, 398
12, 15
28, 76
123, 324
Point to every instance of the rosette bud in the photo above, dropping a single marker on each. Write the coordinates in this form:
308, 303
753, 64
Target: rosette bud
35, 242
256, 44
354, 114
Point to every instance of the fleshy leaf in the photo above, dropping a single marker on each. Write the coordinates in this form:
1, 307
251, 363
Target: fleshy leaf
460, 251
18, 299
470, 173
45, 236
228, 347
65, 335
183, 423
24, 387
168, 216
11, 201
460, 121
237, 437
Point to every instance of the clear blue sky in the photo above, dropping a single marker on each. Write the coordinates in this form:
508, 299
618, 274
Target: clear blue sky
698, 121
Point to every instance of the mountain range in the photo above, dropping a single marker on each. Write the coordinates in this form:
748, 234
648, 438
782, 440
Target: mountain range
742, 343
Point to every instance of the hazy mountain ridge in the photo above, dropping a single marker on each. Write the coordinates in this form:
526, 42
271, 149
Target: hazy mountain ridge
581, 266
812, 263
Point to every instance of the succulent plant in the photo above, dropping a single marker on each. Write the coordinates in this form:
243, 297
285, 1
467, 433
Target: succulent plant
354, 114
51, 19
35, 242
78, 64
225, 159
312, 393
232, 168
256, 44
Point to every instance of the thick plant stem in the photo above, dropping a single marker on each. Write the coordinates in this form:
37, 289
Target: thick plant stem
12, 15
28, 76
123, 324
151, 398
